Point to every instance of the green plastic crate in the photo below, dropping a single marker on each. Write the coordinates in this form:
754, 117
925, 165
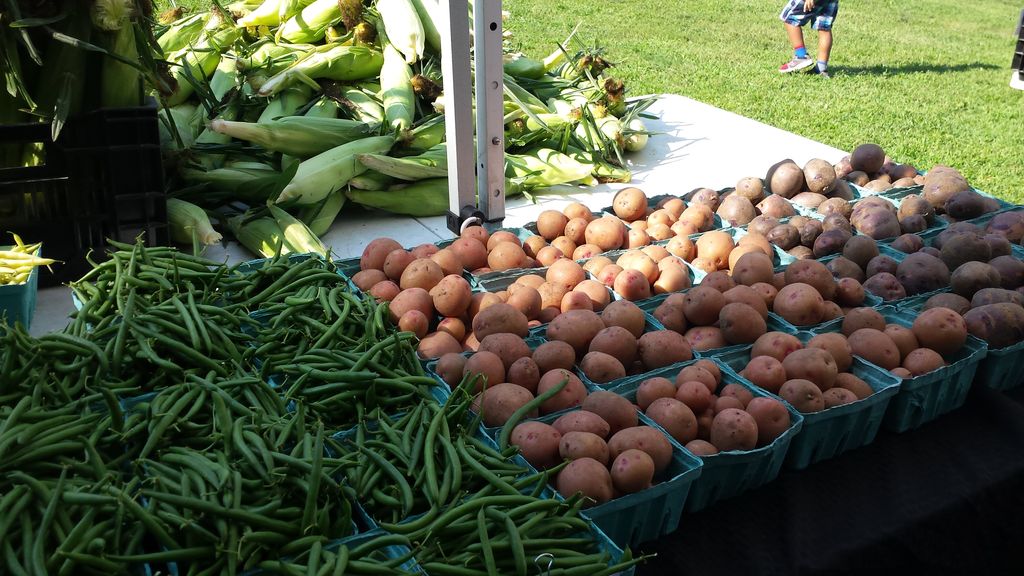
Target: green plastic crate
829, 433
729, 474
18, 301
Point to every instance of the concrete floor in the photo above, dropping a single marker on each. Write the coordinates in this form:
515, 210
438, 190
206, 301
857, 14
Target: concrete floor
697, 145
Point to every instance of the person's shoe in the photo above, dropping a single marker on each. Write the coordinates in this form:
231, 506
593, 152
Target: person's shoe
796, 64
823, 73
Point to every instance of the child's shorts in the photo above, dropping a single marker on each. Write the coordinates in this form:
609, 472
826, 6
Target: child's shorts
824, 13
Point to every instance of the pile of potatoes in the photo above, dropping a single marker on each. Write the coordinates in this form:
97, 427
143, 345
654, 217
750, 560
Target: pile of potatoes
812, 377
669, 218
964, 257
610, 452
513, 375
777, 195
639, 273
563, 286
615, 344
707, 417
719, 250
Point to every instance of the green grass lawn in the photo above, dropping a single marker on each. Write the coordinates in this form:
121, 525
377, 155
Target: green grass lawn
926, 80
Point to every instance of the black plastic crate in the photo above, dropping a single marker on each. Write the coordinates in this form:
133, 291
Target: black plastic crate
1018, 54
102, 178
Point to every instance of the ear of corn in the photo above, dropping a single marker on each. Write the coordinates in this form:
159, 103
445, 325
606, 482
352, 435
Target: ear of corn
423, 198
328, 171
198, 62
346, 63
175, 126
224, 78
267, 14
320, 216
371, 180
182, 33
302, 136
431, 164
403, 28
426, 135
261, 236
430, 14
296, 233
189, 224
545, 167
363, 107
286, 103
396, 90
272, 58
211, 136
519, 66
324, 108
312, 22
121, 84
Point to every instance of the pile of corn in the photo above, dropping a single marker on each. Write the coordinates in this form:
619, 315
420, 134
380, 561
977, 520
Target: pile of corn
17, 262
286, 111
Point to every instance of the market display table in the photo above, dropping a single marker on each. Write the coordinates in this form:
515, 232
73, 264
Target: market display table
947, 498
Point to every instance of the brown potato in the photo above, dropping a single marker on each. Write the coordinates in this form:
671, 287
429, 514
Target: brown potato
653, 388
414, 321
765, 372
505, 256
727, 402
551, 295
376, 252
625, 314
411, 299
778, 345
601, 368
695, 395
752, 268
771, 416
539, 443
719, 280
576, 301
533, 246
875, 347
451, 295
734, 429
837, 397
582, 421
741, 324
885, 286
477, 233
854, 384
554, 354
940, 329
813, 273
672, 279
632, 285
670, 313
862, 318
571, 395
675, 417
835, 344
577, 327
499, 401
618, 412
500, 318
577, 210
396, 262
616, 341
849, 292
702, 305
799, 304
802, 395
588, 477
661, 348
738, 392
551, 224
632, 471
449, 368
486, 364
580, 444
704, 338
471, 253
698, 373
508, 347
923, 361
767, 292
814, 364
904, 338
365, 279
606, 232
576, 230
525, 373
701, 448
643, 438
715, 246
630, 204
385, 291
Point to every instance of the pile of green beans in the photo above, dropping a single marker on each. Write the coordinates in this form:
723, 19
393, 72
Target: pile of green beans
361, 558
283, 280
423, 461
516, 534
258, 503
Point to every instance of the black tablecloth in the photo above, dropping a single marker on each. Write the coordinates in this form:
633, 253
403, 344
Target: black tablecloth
947, 498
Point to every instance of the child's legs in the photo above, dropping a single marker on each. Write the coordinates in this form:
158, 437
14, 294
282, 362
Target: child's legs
824, 44
795, 34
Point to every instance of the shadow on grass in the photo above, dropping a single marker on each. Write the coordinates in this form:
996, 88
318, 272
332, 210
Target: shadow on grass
882, 69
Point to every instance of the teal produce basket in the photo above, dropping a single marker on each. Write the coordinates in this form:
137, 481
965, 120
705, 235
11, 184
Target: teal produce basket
728, 474
829, 433
18, 301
